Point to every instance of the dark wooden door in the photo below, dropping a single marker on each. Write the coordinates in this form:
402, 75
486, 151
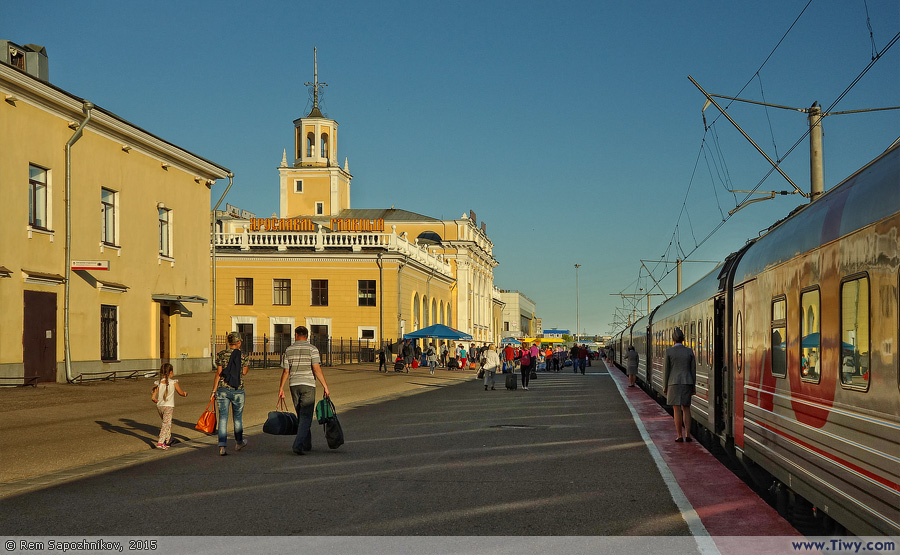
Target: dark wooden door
165, 312
39, 336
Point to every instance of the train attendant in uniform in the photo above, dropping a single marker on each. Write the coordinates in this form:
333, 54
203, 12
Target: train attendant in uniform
631, 365
680, 377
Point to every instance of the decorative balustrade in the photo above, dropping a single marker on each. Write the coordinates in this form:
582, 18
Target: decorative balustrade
323, 241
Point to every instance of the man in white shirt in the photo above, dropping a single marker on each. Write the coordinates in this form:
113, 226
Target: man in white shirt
302, 363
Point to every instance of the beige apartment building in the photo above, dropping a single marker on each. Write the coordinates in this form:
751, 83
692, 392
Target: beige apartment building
104, 265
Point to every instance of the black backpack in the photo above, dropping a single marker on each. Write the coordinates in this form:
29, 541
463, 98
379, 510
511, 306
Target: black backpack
232, 372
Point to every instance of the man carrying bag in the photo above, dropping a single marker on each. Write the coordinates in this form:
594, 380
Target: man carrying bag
301, 362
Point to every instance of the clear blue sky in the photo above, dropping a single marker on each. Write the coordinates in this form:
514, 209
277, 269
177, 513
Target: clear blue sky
571, 128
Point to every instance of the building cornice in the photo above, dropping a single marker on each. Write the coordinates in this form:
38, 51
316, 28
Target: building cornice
25, 88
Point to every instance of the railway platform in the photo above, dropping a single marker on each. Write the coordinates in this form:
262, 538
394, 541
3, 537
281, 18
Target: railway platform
407, 454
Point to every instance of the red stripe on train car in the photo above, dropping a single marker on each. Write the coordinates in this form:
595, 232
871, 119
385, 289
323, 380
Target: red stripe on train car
872, 476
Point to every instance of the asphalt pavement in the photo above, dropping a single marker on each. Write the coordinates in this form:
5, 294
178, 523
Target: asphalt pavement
562, 459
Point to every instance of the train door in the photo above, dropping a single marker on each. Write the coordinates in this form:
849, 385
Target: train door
738, 312
647, 354
720, 370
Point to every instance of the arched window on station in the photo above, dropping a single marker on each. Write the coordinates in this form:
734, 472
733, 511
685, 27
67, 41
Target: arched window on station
425, 323
324, 145
434, 313
310, 144
417, 323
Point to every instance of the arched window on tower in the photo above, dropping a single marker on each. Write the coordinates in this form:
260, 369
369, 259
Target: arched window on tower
324, 145
310, 144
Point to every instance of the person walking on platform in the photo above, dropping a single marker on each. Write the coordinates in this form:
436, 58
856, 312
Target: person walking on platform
382, 359
301, 363
582, 358
407, 354
509, 355
525, 366
164, 396
444, 352
491, 364
679, 379
631, 365
573, 354
431, 356
228, 390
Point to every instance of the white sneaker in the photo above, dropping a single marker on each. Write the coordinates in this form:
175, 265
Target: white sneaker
526, 389
241, 445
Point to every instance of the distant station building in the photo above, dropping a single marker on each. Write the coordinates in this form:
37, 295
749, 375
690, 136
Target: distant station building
518, 315
361, 274
104, 265
555, 333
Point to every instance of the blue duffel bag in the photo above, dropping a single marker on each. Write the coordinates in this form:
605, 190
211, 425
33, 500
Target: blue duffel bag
281, 422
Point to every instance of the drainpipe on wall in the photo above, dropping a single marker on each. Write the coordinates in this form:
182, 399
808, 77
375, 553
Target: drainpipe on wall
86, 108
212, 232
380, 301
399, 300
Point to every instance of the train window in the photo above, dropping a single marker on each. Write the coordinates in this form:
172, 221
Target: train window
855, 333
739, 342
810, 341
778, 346
709, 342
694, 337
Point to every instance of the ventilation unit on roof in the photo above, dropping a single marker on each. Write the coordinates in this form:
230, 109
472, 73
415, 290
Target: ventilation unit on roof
31, 58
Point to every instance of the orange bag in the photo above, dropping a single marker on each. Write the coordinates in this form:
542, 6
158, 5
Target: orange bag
208, 421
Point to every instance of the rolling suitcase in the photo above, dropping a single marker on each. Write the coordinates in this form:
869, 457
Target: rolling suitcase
512, 381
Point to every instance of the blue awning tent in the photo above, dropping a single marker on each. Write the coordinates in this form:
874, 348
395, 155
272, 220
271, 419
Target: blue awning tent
438, 331
510, 341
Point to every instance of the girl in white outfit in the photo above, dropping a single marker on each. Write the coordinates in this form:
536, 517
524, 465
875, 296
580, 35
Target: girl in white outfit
164, 397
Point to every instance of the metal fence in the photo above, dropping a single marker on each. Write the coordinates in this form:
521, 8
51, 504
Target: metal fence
266, 352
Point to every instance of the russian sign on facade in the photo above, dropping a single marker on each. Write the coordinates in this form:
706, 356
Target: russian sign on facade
355, 225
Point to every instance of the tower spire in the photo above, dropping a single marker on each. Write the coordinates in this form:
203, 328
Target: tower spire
315, 112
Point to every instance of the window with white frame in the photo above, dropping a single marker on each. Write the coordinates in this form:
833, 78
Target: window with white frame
298, 185
320, 208
165, 232
243, 291
281, 292
109, 223
37, 197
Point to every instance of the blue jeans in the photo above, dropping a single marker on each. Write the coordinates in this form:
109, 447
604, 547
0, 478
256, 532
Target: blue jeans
304, 398
235, 399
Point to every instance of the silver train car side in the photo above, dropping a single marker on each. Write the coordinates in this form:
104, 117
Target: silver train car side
796, 338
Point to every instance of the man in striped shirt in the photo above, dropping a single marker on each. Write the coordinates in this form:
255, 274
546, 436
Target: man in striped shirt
301, 362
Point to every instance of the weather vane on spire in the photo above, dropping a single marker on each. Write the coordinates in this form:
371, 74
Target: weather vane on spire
315, 85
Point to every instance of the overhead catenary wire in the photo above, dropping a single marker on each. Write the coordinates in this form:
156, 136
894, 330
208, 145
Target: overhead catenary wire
674, 241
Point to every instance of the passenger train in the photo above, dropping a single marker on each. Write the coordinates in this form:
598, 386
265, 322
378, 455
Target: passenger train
796, 339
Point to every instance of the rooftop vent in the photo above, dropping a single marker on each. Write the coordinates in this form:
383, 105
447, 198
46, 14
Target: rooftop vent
31, 58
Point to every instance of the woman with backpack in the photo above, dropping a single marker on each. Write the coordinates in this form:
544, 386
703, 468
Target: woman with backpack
525, 366
228, 390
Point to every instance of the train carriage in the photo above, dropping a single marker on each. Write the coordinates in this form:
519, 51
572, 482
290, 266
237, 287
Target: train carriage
815, 324
796, 338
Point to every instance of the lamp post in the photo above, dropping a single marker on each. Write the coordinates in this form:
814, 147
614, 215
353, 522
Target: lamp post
577, 316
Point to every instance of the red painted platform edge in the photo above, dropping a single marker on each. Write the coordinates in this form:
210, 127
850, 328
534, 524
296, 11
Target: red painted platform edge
725, 504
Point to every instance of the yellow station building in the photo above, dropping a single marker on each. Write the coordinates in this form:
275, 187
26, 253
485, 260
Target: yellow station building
104, 264
347, 273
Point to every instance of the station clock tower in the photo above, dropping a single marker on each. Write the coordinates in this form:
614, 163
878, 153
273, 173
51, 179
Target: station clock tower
315, 185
